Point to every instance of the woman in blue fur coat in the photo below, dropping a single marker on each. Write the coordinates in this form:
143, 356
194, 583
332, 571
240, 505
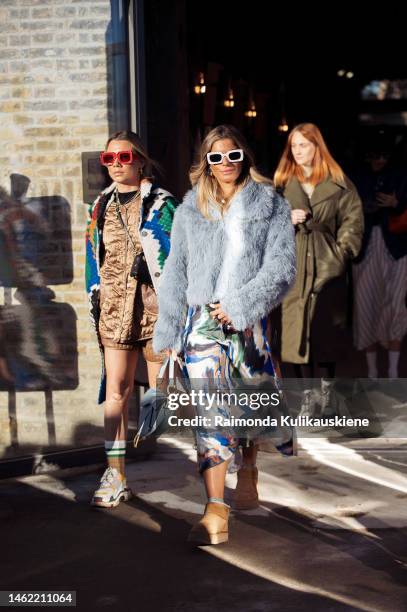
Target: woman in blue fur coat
232, 260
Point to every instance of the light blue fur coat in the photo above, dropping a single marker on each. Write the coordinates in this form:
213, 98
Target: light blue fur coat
245, 259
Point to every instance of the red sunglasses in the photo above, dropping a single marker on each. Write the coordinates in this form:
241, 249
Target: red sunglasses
124, 157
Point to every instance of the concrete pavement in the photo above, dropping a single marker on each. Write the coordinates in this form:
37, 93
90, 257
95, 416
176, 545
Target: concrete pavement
330, 534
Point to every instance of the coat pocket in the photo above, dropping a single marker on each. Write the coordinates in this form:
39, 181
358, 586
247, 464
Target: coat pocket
330, 260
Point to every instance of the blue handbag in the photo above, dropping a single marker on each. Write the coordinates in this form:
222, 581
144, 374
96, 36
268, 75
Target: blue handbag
153, 415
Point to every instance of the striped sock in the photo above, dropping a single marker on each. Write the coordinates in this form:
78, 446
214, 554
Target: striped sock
116, 454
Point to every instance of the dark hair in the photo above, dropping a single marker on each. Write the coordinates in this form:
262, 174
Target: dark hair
149, 164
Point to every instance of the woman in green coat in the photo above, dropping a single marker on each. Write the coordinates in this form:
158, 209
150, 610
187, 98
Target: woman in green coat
328, 219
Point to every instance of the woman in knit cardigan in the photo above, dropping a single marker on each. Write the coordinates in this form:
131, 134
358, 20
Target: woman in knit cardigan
128, 240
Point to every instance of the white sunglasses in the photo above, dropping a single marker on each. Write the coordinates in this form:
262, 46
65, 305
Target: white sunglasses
217, 158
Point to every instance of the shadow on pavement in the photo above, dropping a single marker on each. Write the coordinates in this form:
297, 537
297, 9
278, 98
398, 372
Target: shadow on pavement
133, 558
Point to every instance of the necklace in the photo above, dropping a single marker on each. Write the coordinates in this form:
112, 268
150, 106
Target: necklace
124, 205
226, 200
125, 198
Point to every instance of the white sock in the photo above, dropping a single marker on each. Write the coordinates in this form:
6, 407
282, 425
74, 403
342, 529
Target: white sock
371, 358
393, 364
116, 454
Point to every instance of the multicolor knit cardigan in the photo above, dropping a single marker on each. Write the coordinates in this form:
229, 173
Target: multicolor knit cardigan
157, 212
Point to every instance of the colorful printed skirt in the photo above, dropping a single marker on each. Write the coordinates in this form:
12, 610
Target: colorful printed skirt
233, 365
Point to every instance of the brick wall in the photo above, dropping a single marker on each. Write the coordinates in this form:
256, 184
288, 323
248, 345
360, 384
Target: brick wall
53, 106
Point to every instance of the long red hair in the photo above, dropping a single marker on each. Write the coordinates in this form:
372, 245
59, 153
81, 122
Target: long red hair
323, 164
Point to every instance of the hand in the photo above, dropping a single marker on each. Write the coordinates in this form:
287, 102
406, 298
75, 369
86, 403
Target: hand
218, 314
386, 200
5, 372
298, 216
171, 353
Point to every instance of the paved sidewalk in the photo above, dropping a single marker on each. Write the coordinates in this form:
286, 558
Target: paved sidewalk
330, 534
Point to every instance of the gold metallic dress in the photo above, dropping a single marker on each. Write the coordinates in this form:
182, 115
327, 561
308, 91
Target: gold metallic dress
128, 308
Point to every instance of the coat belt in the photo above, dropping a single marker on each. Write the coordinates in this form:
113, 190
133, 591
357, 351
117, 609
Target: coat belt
313, 226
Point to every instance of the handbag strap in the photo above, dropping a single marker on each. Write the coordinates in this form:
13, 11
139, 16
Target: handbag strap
119, 216
171, 369
170, 363
163, 368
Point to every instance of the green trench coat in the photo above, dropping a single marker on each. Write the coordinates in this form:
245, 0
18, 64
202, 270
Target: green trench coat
325, 242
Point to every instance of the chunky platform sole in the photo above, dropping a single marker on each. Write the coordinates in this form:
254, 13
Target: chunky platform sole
124, 495
202, 538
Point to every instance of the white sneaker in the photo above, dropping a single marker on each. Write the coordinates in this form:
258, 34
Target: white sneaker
112, 490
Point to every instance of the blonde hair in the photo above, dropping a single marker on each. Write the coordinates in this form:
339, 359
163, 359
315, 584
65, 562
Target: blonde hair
323, 164
208, 190
149, 164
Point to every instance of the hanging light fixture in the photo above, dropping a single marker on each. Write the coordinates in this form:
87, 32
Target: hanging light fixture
230, 100
200, 87
283, 126
347, 74
251, 112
